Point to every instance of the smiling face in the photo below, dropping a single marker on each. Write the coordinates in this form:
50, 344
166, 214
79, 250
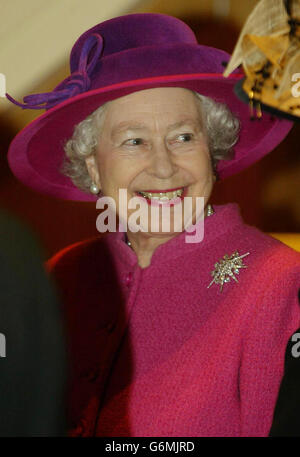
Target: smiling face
154, 145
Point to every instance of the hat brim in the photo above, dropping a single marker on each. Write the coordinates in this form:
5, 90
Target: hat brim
36, 153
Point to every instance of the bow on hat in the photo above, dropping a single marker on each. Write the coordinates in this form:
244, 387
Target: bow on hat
78, 82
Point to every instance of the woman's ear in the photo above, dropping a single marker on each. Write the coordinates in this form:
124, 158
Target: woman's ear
92, 167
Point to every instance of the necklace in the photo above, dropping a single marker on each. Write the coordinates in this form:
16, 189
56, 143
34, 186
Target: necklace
209, 212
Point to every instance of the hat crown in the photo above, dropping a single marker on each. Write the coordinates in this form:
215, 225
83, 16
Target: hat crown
134, 31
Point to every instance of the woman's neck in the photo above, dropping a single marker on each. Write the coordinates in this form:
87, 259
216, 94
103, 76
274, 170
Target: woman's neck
144, 244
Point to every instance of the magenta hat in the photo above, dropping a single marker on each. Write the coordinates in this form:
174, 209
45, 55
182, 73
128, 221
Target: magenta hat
118, 57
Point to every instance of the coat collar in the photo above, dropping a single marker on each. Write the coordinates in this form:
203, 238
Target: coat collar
223, 220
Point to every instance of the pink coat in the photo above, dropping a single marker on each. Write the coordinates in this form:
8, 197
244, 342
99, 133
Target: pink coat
154, 352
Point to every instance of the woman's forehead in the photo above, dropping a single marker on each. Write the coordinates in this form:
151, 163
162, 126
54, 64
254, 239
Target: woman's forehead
172, 106
149, 99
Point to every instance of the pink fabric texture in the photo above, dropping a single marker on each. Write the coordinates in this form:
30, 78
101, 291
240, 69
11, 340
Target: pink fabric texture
154, 352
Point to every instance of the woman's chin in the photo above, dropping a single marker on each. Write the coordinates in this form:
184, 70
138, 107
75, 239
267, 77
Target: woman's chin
159, 228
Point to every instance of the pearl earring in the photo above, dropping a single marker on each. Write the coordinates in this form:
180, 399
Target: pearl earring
94, 189
210, 210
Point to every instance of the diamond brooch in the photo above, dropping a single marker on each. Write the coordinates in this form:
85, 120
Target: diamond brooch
226, 267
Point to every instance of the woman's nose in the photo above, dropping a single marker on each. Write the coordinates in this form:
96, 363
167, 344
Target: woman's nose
162, 163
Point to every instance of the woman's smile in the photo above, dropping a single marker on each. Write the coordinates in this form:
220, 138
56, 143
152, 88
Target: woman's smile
163, 197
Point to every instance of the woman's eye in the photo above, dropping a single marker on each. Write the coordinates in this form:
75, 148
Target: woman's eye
185, 137
134, 141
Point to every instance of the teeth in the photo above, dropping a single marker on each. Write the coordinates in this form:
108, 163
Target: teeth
163, 196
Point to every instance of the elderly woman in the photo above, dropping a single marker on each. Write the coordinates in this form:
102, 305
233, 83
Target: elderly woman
166, 337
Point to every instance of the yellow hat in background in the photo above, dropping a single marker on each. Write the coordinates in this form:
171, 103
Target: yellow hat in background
268, 49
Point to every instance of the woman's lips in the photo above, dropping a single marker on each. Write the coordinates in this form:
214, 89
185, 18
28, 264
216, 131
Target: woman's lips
163, 190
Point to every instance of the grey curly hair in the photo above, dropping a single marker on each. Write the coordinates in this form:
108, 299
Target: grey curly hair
222, 129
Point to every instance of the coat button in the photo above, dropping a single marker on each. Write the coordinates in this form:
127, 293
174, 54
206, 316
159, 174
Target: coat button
128, 279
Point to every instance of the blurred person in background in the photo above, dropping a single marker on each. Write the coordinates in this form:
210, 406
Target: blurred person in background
33, 359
